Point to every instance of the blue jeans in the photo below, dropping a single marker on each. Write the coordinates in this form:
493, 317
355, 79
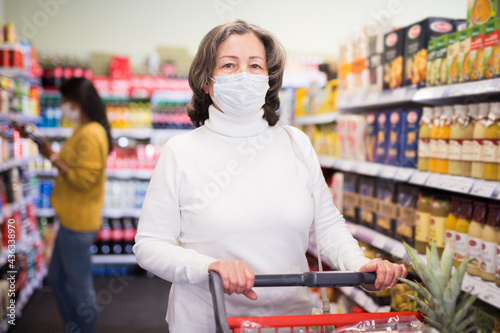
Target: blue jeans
70, 276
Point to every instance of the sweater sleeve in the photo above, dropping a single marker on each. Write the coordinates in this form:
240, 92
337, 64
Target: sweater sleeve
159, 227
336, 243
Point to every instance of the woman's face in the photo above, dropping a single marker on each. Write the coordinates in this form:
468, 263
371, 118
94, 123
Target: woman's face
239, 53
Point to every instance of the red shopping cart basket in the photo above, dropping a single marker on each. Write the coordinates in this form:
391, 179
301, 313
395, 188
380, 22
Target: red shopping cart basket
224, 324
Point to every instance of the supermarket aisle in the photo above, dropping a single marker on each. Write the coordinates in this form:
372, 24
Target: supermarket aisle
131, 304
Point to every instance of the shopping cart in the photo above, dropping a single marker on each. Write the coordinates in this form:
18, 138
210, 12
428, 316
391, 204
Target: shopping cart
224, 324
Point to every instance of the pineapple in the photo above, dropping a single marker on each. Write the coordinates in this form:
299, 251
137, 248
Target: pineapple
439, 299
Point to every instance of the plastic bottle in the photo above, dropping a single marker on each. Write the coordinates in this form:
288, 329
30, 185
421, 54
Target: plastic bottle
462, 231
440, 209
451, 223
456, 139
478, 136
489, 152
433, 143
444, 139
424, 137
468, 142
489, 249
422, 222
476, 237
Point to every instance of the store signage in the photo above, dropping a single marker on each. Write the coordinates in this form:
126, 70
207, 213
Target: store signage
441, 26
391, 39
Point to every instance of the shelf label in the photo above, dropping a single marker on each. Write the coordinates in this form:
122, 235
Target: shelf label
483, 188
434, 180
346, 165
398, 250
403, 174
399, 94
373, 98
388, 172
379, 241
419, 178
460, 184
373, 169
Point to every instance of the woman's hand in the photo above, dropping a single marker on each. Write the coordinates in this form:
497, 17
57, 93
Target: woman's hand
45, 149
387, 272
236, 276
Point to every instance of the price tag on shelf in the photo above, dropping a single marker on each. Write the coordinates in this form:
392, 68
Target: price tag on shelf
461, 184
490, 294
399, 94
434, 180
346, 165
372, 98
483, 188
398, 250
388, 172
379, 241
373, 169
403, 174
419, 178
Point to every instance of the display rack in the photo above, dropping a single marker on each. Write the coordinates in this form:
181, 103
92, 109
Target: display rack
142, 174
315, 119
376, 100
106, 212
463, 185
133, 133
110, 259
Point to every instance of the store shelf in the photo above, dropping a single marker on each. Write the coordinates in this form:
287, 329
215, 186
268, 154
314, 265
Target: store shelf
133, 133
463, 185
383, 99
143, 174
457, 92
45, 212
46, 173
9, 209
312, 119
124, 259
121, 212
9, 117
486, 291
14, 163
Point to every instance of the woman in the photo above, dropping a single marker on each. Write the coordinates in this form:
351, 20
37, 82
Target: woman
78, 198
235, 196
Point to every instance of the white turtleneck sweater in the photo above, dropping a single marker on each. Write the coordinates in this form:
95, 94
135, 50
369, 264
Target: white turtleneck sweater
234, 189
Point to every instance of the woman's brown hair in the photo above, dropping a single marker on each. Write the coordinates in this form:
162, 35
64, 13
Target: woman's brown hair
204, 62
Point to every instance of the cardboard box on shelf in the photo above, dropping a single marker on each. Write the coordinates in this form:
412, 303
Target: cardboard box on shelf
481, 11
492, 48
439, 64
375, 41
416, 47
410, 138
397, 123
464, 40
393, 62
452, 58
431, 76
476, 57
359, 54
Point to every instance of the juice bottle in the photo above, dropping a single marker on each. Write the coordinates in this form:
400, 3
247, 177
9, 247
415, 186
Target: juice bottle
433, 143
489, 251
422, 217
491, 145
497, 276
444, 139
424, 136
462, 231
476, 237
440, 208
467, 143
478, 137
451, 223
456, 139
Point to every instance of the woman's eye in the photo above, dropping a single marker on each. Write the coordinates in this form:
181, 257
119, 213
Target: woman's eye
228, 66
255, 66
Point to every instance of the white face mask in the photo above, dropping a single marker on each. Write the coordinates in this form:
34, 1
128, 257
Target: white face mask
70, 113
240, 94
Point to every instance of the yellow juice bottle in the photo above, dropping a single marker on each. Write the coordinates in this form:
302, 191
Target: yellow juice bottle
478, 137
440, 209
424, 137
468, 141
476, 238
444, 139
456, 140
489, 152
422, 222
488, 267
451, 223
433, 143
461, 246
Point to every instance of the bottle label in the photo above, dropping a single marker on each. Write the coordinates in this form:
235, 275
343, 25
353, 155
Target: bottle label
442, 149
461, 246
498, 261
455, 150
489, 150
437, 230
488, 257
433, 146
422, 226
475, 249
423, 148
449, 237
476, 150
467, 148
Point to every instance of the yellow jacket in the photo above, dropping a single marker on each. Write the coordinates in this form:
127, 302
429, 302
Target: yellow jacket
78, 197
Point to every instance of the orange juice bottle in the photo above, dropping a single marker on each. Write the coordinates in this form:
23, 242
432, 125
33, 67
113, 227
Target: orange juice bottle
444, 139
433, 143
451, 223
461, 246
489, 251
468, 141
489, 153
424, 137
478, 138
476, 238
456, 140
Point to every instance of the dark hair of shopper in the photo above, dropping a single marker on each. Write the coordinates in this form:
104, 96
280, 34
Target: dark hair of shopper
205, 60
83, 92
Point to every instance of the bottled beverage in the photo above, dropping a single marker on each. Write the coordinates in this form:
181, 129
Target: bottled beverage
489, 152
129, 232
478, 137
433, 144
105, 238
424, 137
116, 236
451, 223
462, 231
468, 141
456, 140
489, 249
475, 237
444, 139
440, 209
422, 222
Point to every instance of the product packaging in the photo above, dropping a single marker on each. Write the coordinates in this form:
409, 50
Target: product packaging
345, 64
393, 63
460, 25
416, 47
452, 58
407, 203
351, 197
397, 120
356, 133
359, 54
464, 41
492, 49
410, 138
386, 209
481, 11
477, 52
375, 41
371, 136
383, 126
337, 188
439, 68
367, 202
431, 77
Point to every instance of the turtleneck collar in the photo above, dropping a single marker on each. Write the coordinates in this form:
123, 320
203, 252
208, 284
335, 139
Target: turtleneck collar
237, 127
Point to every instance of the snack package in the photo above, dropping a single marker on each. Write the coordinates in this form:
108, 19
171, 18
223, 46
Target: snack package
371, 136
476, 58
410, 138
464, 41
452, 58
481, 11
383, 126
375, 41
407, 197
397, 120
386, 209
367, 202
351, 197
492, 49
392, 59
431, 77
439, 66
